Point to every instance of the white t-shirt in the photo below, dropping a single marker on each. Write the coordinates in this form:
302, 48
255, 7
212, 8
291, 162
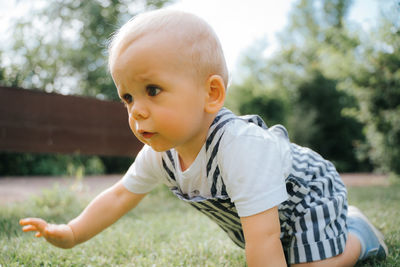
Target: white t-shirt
254, 163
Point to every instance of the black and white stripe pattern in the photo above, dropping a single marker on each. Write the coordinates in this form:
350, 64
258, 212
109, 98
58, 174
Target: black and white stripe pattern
313, 219
219, 208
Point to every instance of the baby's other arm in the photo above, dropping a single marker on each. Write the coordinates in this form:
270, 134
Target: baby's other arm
103, 211
262, 236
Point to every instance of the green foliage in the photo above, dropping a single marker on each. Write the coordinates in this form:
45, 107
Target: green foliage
376, 84
116, 164
340, 85
267, 104
256, 93
337, 86
71, 59
300, 85
13, 164
337, 134
48, 164
161, 231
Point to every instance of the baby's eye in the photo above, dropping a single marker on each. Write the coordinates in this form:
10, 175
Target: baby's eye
127, 98
153, 90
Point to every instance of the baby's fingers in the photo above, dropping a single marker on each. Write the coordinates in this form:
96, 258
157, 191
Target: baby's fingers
33, 224
29, 228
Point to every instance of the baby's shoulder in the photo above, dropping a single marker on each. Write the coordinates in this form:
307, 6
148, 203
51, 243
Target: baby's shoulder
240, 129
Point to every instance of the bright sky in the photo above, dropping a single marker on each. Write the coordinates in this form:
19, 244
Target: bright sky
237, 23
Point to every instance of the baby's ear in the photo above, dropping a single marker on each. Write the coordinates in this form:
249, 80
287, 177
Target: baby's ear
215, 96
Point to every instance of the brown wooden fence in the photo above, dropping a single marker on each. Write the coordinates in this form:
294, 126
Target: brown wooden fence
33, 121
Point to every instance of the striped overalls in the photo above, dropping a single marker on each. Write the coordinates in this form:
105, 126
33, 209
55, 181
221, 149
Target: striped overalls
313, 219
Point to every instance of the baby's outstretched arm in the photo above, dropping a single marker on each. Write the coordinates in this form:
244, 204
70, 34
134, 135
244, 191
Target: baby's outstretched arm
262, 236
103, 211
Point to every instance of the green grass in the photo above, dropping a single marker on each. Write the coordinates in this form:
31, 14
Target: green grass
161, 231
382, 207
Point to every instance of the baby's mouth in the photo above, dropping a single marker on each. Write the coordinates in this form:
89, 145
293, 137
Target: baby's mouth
143, 133
146, 135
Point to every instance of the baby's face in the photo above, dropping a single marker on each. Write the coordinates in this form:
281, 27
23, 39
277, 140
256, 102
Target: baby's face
164, 101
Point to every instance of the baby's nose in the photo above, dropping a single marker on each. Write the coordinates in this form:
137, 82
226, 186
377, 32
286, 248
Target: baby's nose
138, 112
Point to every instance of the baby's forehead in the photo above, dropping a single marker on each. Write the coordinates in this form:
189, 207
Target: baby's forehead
159, 47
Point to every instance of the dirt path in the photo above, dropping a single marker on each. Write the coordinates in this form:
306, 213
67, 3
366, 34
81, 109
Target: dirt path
14, 189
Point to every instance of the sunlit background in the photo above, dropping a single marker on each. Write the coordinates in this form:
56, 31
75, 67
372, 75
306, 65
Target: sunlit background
326, 69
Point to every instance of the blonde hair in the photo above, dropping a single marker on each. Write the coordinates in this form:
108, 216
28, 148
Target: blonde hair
192, 35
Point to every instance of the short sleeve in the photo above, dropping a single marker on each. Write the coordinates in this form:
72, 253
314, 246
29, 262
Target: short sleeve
145, 172
254, 164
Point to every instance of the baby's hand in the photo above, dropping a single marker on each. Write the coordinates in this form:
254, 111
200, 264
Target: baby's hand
59, 235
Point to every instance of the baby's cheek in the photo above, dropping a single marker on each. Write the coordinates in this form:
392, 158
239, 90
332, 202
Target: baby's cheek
132, 124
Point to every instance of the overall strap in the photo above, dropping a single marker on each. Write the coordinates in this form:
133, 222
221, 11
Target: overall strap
214, 137
215, 134
219, 207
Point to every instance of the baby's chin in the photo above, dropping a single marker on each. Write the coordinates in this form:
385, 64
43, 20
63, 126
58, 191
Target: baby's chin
156, 146
159, 148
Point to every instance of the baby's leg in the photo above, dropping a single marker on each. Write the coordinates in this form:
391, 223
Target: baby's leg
348, 258
364, 241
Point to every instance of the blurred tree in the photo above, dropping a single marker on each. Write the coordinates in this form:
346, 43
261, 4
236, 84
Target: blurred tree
376, 83
300, 85
61, 46
336, 133
268, 104
256, 93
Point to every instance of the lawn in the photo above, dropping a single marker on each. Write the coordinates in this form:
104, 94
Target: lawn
161, 231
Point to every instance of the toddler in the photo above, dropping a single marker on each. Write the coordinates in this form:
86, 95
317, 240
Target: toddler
284, 204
